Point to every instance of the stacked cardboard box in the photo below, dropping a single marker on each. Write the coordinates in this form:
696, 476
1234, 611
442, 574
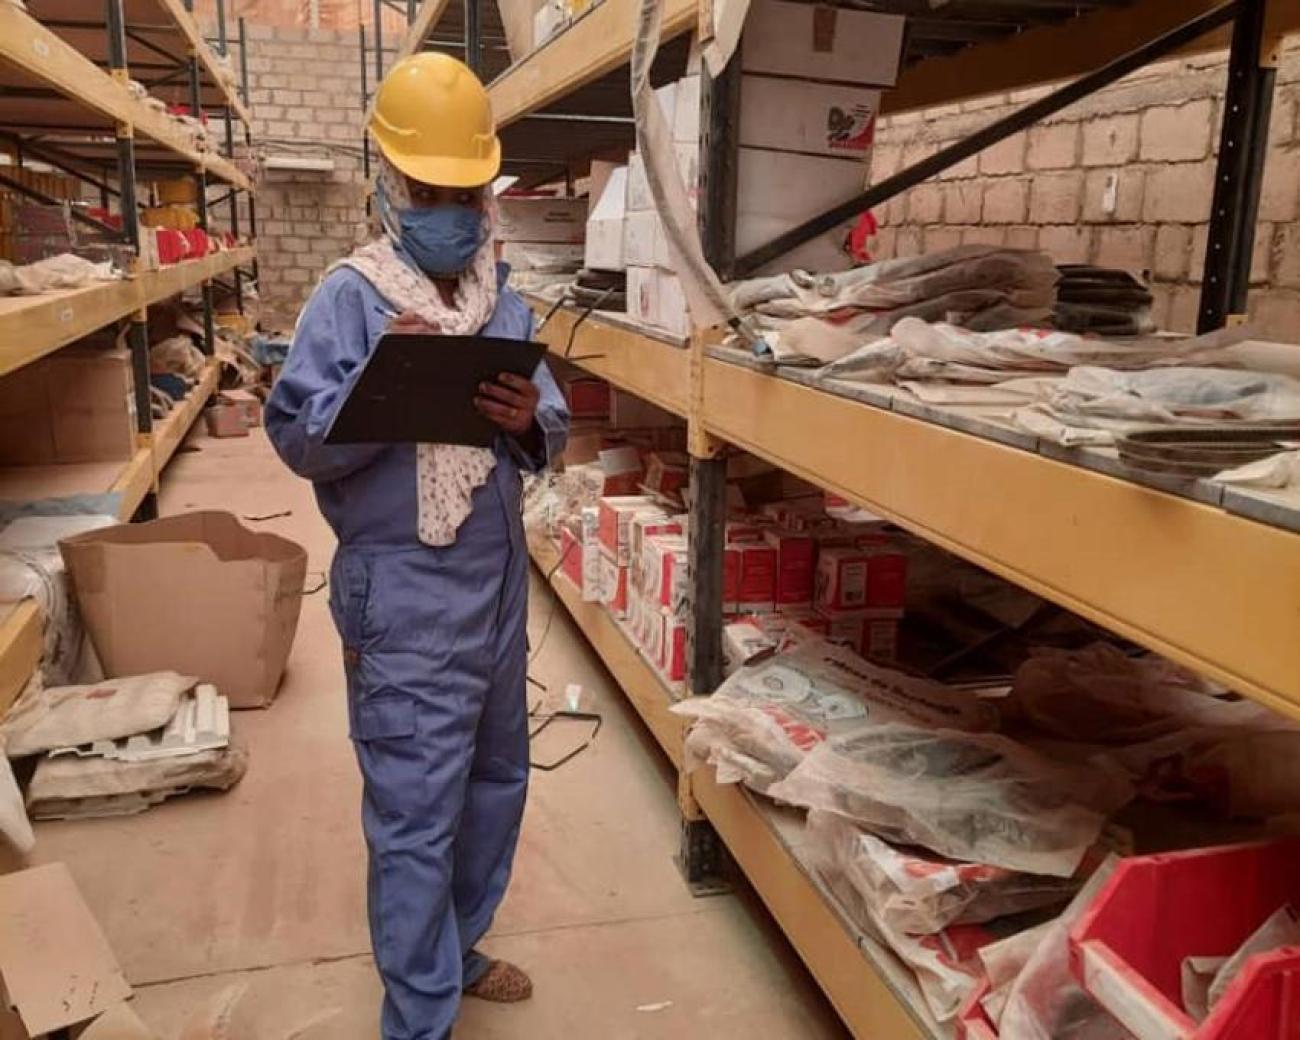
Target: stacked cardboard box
541, 235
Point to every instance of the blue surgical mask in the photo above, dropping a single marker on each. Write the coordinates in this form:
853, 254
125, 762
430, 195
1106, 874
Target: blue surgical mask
442, 240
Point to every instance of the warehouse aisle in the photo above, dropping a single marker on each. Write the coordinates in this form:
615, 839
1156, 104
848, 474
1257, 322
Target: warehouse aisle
264, 885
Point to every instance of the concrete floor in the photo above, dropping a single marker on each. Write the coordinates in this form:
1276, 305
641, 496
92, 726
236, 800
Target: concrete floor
264, 884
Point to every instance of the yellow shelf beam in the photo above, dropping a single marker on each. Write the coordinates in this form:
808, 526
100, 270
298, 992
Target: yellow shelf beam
22, 634
597, 42
34, 326
1214, 591
1057, 52
633, 361
426, 19
39, 53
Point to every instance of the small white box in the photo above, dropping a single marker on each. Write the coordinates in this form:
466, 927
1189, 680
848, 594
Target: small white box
541, 220
688, 165
642, 295
815, 42
686, 111
641, 236
667, 95
639, 198
604, 250
670, 303
543, 256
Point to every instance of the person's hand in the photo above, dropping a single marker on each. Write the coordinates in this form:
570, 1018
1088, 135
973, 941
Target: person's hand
410, 322
511, 402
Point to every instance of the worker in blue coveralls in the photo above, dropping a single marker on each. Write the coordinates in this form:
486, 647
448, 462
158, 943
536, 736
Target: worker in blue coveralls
429, 584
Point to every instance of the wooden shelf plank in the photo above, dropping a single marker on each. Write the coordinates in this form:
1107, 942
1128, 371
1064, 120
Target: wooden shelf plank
34, 326
22, 633
39, 53
596, 43
172, 430
1217, 592
631, 359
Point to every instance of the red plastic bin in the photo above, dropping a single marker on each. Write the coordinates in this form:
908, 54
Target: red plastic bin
1128, 948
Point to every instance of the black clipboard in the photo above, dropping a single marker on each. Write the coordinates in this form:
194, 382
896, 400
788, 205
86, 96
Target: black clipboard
417, 388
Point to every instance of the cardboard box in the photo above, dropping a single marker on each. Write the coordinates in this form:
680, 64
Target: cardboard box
831, 44
814, 118
629, 412
686, 111
674, 311
648, 524
642, 295
623, 470
780, 190
756, 591
604, 244
672, 658
688, 165
880, 640
842, 579
586, 397
666, 473
225, 419
615, 532
248, 403
744, 641
796, 567
886, 578
613, 585
544, 257
731, 580
72, 406
639, 199
663, 571
580, 563
56, 967
643, 240
550, 220
196, 593
601, 172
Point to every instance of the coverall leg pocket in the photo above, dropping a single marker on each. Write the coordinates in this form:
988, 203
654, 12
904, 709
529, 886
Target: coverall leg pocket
392, 760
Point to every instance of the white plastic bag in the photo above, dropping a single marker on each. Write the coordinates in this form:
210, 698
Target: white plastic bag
764, 718
969, 796
68, 716
920, 893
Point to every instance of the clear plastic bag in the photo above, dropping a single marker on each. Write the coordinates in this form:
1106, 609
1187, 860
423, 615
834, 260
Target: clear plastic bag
765, 718
1101, 695
978, 797
1045, 1003
920, 893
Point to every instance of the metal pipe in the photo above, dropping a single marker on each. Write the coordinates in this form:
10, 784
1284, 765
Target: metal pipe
473, 37
126, 180
379, 42
990, 135
116, 23
365, 104
221, 28
243, 60
719, 148
1239, 175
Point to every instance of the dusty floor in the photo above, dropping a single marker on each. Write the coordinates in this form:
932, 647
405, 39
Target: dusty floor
265, 884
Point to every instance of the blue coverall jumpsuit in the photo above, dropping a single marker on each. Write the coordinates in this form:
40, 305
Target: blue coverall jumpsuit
435, 650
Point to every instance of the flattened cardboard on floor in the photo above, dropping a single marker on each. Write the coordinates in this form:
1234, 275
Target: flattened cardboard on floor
55, 964
199, 590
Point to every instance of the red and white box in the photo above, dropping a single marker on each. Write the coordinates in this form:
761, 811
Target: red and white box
587, 398
663, 571
648, 524
739, 531
873, 578
615, 526
880, 640
731, 580
756, 587
667, 472
623, 470
796, 566
580, 563
667, 646
745, 640
613, 585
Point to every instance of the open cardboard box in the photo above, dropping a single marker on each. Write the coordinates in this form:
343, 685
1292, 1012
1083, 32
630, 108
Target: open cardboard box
56, 967
197, 593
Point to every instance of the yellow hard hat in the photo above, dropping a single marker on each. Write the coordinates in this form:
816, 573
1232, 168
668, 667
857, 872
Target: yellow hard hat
433, 121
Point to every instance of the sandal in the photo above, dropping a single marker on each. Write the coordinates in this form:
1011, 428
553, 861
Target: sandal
502, 983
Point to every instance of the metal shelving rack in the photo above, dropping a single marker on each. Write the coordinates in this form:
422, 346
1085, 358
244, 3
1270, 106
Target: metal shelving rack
65, 103
1206, 576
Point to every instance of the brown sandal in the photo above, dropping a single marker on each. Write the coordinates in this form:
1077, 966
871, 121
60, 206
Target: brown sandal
502, 983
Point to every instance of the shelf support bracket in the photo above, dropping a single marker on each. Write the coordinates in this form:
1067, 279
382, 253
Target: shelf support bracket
1239, 175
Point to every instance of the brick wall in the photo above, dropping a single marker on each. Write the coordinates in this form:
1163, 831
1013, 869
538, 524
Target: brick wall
305, 96
1123, 179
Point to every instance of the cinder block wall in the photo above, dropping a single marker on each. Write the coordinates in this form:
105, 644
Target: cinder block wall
305, 95
1123, 179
